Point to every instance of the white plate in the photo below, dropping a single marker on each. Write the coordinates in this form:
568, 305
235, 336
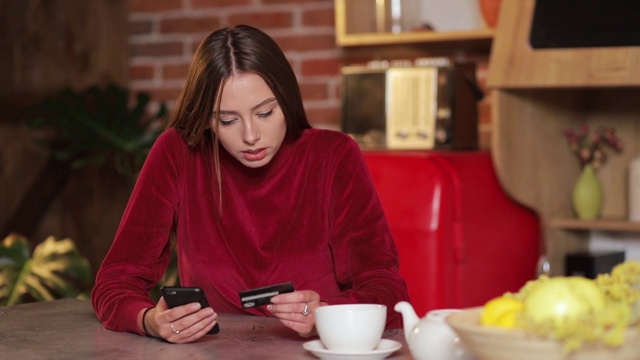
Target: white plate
385, 348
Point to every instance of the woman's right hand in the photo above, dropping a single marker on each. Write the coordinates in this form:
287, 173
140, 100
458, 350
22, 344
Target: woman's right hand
181, 324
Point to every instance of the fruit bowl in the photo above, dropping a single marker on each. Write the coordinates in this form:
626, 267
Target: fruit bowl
489, 343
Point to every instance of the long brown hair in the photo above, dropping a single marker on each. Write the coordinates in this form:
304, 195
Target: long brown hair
225, 52
234, 50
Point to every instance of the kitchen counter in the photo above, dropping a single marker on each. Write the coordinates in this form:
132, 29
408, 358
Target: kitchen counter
69, 329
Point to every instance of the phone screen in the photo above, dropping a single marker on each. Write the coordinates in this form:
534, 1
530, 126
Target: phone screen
177, 296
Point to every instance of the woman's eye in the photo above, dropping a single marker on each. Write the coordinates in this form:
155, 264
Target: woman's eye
265, 114
224, 122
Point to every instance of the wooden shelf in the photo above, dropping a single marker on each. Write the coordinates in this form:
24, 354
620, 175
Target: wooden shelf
353, 29
599, 224
418, 37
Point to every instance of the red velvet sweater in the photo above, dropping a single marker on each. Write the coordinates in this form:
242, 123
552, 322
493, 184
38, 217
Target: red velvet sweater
311, 216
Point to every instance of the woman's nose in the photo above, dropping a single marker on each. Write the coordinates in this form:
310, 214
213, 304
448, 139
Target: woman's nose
250, 134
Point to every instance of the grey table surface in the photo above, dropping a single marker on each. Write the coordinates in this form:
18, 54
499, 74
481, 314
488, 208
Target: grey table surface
69, 329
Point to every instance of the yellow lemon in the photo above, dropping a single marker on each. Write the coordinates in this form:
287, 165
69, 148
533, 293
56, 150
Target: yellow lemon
501, 312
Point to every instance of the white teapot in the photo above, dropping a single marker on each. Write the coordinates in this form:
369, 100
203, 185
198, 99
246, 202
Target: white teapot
431, 338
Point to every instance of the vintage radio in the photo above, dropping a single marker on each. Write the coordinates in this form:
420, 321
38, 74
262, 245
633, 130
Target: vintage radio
428, 104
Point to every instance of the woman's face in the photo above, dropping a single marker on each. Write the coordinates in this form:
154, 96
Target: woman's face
252, 125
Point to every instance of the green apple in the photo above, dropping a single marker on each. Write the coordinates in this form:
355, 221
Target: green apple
561, 299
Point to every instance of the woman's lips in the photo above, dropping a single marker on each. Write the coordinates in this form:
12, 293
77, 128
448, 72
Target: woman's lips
255, 155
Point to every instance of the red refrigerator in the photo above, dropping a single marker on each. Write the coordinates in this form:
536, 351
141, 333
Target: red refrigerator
461, 239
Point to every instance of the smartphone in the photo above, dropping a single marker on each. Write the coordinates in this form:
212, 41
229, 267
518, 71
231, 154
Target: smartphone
176, 296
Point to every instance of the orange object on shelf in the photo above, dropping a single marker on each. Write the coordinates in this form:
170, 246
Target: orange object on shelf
490, 10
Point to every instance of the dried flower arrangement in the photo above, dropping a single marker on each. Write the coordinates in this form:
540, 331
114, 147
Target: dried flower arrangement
590, 150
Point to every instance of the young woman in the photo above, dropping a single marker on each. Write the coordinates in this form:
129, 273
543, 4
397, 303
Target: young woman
255, 197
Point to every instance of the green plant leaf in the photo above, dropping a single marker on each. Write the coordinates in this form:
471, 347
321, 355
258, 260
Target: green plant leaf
33, 286
55, 270
13, 251
98, 124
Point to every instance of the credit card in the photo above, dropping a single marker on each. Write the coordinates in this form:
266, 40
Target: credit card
262, 296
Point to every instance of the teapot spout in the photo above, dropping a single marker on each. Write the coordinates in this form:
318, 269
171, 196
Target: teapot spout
409, 318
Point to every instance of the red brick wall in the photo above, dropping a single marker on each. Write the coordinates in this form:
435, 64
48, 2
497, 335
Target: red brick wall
164, 35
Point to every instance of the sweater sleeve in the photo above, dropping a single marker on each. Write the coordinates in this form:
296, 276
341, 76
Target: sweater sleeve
141, 249
365, 254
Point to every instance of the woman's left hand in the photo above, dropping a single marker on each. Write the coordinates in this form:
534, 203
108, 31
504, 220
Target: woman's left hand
296, 310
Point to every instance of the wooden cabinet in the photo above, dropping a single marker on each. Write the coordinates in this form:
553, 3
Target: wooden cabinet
538, 93
535, 95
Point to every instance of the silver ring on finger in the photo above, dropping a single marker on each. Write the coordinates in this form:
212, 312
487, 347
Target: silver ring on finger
306, 312
174, 329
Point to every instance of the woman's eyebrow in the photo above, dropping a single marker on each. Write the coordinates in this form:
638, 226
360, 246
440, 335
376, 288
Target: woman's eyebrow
262, 103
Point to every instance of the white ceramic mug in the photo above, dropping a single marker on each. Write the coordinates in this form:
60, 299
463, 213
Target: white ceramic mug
351, 328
